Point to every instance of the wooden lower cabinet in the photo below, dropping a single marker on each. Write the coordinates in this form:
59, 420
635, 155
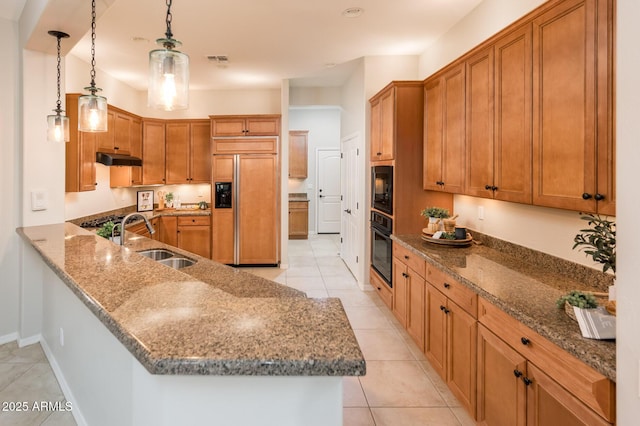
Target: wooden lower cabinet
169, 230
513, 391
450, 345
194, 235
298, 220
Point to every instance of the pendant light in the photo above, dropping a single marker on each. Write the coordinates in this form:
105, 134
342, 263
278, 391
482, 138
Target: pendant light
168, 73
58, 124
92, 109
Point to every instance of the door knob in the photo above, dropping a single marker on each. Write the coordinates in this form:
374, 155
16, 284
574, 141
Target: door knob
348, 211
320, 195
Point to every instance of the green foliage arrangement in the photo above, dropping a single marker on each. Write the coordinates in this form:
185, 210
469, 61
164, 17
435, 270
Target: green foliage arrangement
106, 230
169, 197
437, 212
578, 298
598, 241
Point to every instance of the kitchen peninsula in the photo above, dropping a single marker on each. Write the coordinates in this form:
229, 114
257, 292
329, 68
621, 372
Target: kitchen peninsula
141, 343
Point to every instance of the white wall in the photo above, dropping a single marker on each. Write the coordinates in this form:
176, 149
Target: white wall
628, 207
10, 182
323, 125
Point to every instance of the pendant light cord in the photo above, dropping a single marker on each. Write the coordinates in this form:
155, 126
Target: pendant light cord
169, 34
92, 88
58, 103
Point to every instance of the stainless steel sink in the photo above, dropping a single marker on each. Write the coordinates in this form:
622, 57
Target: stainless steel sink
177, 262
157, 254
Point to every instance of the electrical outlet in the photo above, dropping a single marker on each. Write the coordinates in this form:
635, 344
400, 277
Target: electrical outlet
61, 336
480, 212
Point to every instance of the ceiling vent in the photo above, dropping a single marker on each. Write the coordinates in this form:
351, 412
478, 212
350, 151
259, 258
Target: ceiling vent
219, 59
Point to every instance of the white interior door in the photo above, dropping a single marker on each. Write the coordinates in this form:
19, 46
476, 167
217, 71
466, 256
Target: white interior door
328, 205
350, 179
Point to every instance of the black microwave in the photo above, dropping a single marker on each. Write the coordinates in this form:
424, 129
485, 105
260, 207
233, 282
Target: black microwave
382, 188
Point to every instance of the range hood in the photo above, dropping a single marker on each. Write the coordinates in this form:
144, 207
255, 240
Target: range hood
109, 159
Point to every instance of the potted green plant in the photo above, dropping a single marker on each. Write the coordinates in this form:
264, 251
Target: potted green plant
169, 199
598, 241
107, 231
435, 216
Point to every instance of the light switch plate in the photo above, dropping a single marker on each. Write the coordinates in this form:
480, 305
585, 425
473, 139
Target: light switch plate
39, 200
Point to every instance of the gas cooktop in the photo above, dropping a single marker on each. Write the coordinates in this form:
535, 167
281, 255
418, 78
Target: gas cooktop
98, 222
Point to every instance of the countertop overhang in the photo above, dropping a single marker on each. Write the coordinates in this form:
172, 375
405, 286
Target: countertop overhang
523, 290
205, 319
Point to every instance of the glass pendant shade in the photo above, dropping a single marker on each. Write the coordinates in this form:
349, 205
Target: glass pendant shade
92, 113
57, 128
168, 80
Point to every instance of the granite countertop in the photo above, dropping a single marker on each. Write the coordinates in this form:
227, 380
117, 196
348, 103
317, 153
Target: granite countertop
522, 289
205, 319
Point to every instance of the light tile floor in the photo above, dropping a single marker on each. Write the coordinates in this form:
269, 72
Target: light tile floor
399, 389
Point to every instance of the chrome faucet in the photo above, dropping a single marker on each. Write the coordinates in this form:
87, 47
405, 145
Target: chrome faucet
124, 221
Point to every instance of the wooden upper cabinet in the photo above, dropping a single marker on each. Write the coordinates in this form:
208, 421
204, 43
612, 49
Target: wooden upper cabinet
80, 152
298, 141
153, 151
130, 175
117, 138
572, 111
444, 135
498, 119
383, 109
245, 125
188, 154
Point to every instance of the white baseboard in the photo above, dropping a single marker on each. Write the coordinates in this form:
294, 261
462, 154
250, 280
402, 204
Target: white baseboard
75, 411
8, 338
29, 340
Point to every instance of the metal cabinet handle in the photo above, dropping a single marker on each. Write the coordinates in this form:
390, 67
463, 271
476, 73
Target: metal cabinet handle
525, 341
447, 285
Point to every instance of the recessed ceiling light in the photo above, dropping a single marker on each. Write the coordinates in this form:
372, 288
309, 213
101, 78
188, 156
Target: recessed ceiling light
140, 39
352, 12
330, 65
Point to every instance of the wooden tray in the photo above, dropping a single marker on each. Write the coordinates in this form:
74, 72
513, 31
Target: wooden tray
451, 243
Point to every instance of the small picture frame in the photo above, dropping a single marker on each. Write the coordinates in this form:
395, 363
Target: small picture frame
145, 201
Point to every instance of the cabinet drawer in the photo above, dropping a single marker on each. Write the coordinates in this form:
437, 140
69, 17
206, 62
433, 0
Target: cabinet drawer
464, 297
410, 259
298, 205
582, 381
194, 220
382, 288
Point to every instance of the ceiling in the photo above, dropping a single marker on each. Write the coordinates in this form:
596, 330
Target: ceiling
309, 42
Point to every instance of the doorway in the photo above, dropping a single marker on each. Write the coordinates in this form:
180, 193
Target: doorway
328, 205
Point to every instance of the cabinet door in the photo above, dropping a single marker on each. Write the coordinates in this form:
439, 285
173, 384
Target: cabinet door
122, 133
105, 141
200, 153
169, 230
135, 137
228, 126
548, 403
512, 141
298, 154
177, 138
153, 152
479, 124
375, 130
501, 392
564, 106
196, 239
298, 219
257, 213
400, 290
461, 355
453, 130
387, 125
87, 163
435, 344
262, 126
432, 150
415, 305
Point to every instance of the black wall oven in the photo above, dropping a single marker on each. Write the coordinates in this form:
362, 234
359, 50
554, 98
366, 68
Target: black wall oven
382, 188
381, 227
